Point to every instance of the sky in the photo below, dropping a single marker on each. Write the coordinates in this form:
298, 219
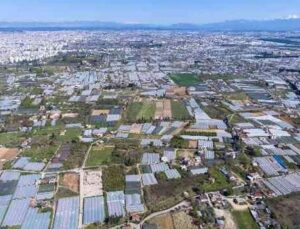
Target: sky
146, 11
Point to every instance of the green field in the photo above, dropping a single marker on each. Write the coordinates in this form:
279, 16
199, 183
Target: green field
140, 111
244, 220
185, 79
99, 156
179, 112
189, 79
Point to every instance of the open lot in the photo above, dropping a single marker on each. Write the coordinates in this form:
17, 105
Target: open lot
70, 181
182, 220
287, 210
239, 95
92, 183
168, 193
113, 178
163, 221
76, 156
7, 154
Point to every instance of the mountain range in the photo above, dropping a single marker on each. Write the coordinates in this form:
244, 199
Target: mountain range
230, 26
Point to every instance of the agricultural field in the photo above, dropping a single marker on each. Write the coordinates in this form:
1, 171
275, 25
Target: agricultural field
185, 79
163, 109
179, 111
244, 219
99, 155
140, 111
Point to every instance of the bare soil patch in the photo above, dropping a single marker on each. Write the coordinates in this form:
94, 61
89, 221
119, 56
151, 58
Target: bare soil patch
71, 181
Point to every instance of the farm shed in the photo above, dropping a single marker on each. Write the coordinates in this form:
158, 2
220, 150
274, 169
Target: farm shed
93, 210
67, 213
116, 203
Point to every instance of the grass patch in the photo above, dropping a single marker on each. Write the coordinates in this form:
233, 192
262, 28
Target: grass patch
147, 111
133, 111
64, 192
220, 181
185, 79
113, 178
179, 111
27, 103
216, 111
189, 79
44, 153
140, 111
240, 95
70, 134
11, 139
235, 118
46, 188
244, 219
99, 156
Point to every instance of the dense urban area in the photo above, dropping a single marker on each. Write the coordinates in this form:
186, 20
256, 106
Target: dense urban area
149, 129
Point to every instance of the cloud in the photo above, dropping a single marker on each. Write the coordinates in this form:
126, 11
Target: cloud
293, 16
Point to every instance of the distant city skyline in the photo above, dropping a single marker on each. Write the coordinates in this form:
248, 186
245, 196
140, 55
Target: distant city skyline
147, 11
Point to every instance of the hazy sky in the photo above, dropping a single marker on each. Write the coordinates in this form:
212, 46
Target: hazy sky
146, 11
